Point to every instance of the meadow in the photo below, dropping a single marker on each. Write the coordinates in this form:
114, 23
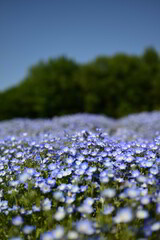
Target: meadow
82, 176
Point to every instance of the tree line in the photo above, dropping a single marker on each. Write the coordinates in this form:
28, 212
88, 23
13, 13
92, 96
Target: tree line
112, 85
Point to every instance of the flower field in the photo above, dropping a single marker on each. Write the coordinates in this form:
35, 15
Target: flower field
82, 176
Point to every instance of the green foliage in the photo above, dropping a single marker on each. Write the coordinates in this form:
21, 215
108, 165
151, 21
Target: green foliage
115, 86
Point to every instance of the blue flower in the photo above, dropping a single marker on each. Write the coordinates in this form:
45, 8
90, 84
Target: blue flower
17, 221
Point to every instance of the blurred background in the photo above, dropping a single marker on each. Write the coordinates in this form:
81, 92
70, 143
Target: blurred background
70, 56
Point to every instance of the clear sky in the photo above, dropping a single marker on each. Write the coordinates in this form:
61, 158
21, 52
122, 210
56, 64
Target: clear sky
33, 30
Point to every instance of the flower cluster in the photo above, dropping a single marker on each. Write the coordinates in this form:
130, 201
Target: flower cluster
80, 177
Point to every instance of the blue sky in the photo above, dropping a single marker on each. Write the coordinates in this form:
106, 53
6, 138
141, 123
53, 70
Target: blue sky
34, 30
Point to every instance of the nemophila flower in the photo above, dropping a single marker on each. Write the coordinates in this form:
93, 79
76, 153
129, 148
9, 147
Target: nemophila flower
58, 233
158, 208
155, 226
3, 204
70, 209
67, 172
148, 163
80, 158
108, 193
143, 163
46, 204
84, 152
145, 200
154, 170
29, 212
72, 151
28, 229
70, 200
70, 160
83, 188
75, 179
69, 185
139, 150
151, 180
132, 192
94, 153
45, 188
104, 179
35, 208
14, 208
14, 183
108, 209
48, 146
122, 166
157, 161
60, 174
62, 187
143, 191
129, 159
142, 179
119, 157
84, 165
108, 164
89, 201
51, 166
78, 163
2, 173
50, 181
22, 211
147, 231
65, 149
92, 169
58, 195
47, 236
38, 158
60, 214
1, 166
72, 235
74, 189
17, 221
124, 215
85, 209
85, 227
142, 214
19, 155
24, 177
79, 171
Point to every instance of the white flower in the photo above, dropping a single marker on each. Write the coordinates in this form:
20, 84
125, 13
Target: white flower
58, 232
109, 193
24, 177
72, 235
85, 227
108, 209
124, 215
85, 208
133, 192
60, 214
145, 200
28, 229
142, 214
155, 226
89, 201
58, 195
47, 236
46, 204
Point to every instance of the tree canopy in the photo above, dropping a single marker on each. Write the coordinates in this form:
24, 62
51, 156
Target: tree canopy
115, 86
